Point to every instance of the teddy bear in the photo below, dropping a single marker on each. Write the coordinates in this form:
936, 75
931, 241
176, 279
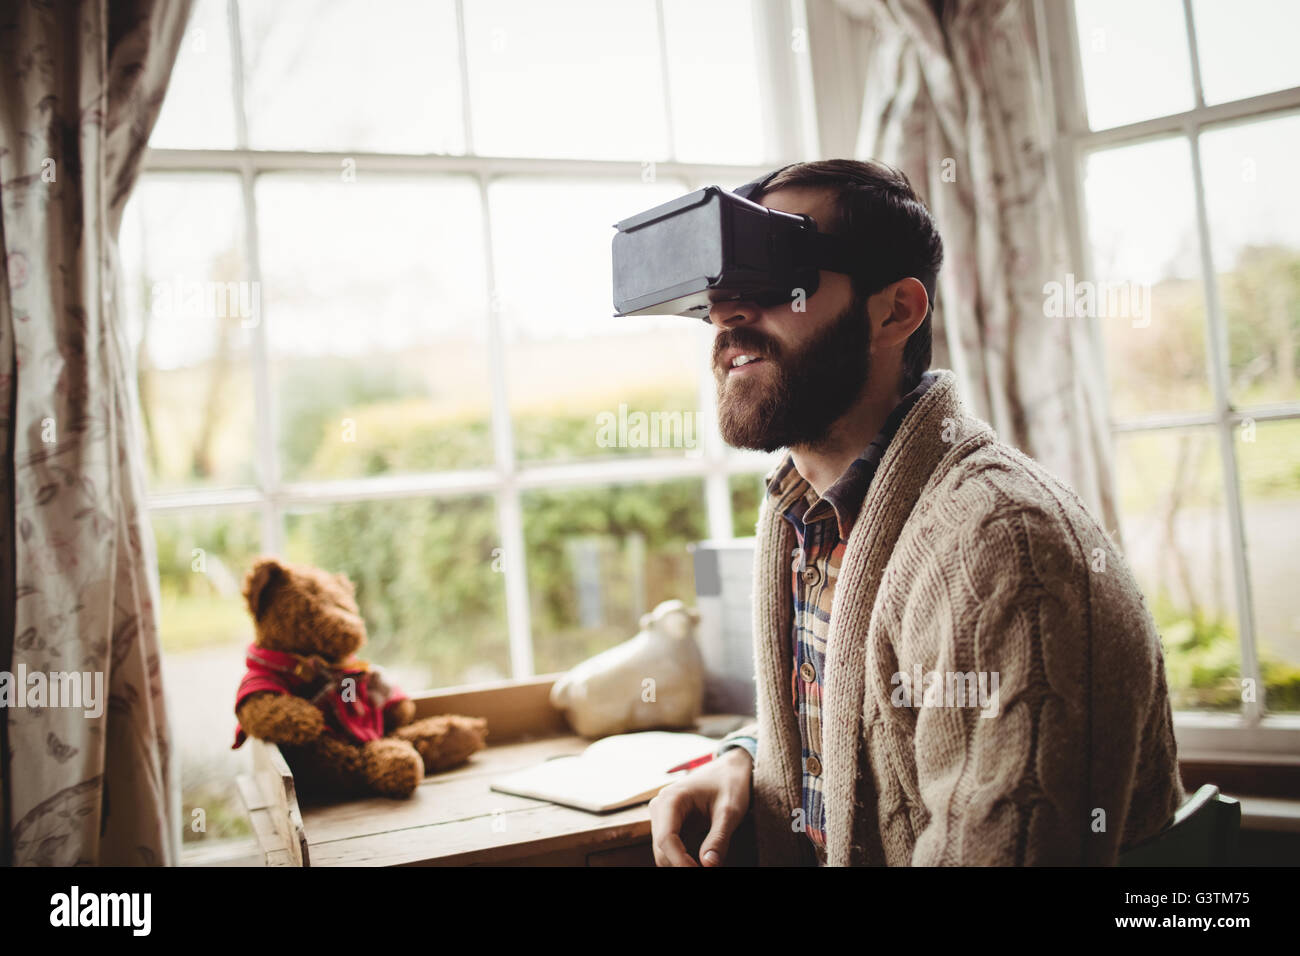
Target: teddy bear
655, 679
344, 729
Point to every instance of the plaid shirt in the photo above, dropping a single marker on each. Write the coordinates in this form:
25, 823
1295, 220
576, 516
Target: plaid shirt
822, 526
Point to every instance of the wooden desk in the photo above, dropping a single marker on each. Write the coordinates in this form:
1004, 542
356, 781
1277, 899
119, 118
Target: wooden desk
454, 819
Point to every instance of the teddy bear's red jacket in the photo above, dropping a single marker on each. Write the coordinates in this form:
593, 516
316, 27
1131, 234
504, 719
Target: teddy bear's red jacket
353, 711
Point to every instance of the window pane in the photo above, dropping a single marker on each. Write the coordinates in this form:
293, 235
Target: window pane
205, 627
747, 492
1147, 292
202, 559
377, 309
1134, 58
1268, 454
1246, 47
1175, 533
344, 74
199, 108
427, 579
581, 380
598, 558
570, 78
190, 313
715, 100
1254, 212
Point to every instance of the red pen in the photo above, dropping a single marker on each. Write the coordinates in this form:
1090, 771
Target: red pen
691, 764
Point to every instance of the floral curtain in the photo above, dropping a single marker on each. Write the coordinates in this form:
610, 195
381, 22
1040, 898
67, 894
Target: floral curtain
952, 92
87, 777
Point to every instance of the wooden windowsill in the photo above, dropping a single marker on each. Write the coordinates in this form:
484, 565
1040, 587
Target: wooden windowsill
454, 818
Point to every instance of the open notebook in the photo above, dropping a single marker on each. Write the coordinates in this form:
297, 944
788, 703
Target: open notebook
612, 773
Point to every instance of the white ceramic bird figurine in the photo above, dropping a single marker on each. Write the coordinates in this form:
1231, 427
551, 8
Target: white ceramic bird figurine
654, 680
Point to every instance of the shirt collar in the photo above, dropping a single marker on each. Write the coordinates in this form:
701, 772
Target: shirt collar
793, 497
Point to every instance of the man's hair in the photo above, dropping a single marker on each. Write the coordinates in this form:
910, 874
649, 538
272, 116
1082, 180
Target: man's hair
877, 207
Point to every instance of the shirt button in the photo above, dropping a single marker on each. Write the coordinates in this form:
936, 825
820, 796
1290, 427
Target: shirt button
811, 576
813, 765
808, 672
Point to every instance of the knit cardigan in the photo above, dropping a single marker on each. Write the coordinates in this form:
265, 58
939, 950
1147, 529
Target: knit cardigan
967, 556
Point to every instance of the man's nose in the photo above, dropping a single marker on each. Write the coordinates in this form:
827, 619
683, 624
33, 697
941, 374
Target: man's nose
728, 315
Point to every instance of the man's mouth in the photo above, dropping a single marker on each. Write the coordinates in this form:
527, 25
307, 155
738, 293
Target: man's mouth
742, 363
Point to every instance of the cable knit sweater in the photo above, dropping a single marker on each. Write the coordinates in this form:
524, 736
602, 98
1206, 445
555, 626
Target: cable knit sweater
967, 557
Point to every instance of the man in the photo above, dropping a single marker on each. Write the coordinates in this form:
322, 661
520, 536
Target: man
953, 664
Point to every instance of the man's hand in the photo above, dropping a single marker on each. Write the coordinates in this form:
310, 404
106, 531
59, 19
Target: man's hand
718, 792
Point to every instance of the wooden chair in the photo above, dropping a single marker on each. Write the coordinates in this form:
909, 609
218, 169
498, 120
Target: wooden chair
1203, 832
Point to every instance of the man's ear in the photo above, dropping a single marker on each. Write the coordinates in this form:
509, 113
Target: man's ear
260, 583
896, 311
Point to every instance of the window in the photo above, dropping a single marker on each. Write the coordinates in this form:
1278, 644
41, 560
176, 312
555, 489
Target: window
368, 268
1182, 117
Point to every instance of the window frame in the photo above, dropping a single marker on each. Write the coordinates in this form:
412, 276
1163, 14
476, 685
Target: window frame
1251, 733
786, 85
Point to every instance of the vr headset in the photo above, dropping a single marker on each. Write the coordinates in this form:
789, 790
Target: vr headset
681, 257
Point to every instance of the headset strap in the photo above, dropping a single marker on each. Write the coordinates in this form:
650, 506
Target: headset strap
758, 185
814, 249
830, 252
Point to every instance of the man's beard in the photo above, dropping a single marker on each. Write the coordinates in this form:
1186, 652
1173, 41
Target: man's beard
803, 394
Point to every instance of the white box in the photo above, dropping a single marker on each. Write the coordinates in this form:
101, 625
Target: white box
724, 588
